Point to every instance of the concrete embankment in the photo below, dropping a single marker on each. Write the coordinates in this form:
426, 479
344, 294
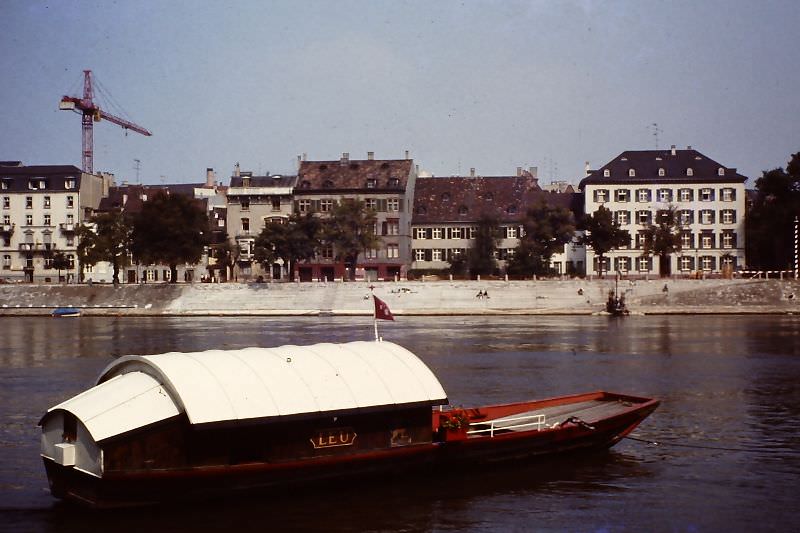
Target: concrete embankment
408, 298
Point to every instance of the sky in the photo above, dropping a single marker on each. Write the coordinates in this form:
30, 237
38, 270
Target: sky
491, 85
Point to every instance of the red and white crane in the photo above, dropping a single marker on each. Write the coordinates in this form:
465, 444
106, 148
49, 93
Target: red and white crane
92, 113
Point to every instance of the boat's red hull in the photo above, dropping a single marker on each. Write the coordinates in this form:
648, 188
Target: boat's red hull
151, 486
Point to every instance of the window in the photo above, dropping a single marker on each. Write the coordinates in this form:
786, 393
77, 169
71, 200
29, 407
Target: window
47, 202
727, 262
419, 255
70, 261
728, 239
622, 264
664, 195
728, 216
623, 218
304, 206
419, 233
6, 220
643, 195
511, 232
685, 195
436, 233
685, 264
631, 173
325, 205
391, 227
706, 216
436, 254
70, 202
456, 253
720, 171
70, 241
276, 203
245, 204
392, 251
48, 263
601, 195
641, 238
4, 184
511, 210
473, 232
6, 262
445, 196
706, 241
706, 195
455, 233
643, 264
29, 220
621, 195
245, 225
47, 220
661, 172
6, 202
70, 218
372, 183
606, 173
687, 241
394, 182
686, 217
728, 194
371, 253
393, 205
69, 183
29, 202
327, 252
689, 172
707, 263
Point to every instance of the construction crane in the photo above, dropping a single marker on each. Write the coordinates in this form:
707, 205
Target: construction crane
91, 113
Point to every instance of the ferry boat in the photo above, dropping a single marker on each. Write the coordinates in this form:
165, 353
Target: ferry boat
61, 312
186, 425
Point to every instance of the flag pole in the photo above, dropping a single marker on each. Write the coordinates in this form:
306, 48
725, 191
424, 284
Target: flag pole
374, 313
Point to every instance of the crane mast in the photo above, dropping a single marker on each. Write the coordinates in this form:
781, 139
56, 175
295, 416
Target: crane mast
91, 113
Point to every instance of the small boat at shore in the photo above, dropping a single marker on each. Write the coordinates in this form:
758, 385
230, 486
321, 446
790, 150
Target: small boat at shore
173, 426
62, 312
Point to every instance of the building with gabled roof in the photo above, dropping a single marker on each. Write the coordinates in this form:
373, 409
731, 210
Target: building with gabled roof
708, 198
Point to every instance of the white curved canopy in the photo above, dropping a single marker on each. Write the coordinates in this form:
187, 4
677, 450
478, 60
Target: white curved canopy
224, 385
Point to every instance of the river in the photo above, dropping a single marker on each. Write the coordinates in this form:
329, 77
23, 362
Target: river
728, 459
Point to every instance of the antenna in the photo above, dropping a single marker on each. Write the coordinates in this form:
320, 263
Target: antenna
656, 131
136, 167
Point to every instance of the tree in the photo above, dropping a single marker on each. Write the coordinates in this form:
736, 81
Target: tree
296, 240
546, 230
603, 234
108, 238
663, 239
481, 257
770, 221
60, 262
226, 253
351, 230
170, 229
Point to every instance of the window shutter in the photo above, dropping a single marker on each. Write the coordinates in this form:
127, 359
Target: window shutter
428, 235
594, 195
428, 255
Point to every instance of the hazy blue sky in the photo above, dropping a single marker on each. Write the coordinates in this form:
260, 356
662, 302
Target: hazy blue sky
485, 84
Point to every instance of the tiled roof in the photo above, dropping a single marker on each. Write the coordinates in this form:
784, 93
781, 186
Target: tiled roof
466, 199
265, 181
129, 197
16, 177
646, 164
352, 174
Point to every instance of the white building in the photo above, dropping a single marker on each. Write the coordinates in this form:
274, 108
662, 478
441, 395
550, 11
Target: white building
708, 199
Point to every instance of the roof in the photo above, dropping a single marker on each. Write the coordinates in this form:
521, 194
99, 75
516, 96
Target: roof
130, 198
16, 177
264, 181
263, 383
466, 199
351, 174
646, 164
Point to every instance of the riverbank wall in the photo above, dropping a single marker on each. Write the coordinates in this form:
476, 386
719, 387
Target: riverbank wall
543, 297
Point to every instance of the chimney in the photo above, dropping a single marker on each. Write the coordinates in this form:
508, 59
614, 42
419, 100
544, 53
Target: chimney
345, 158
689, 147
209, 177
472, 172
304, 156
416, 169
672, 149
236, 171
370, 156
534, 171
519, 171
407, 153
299, 160
587, 168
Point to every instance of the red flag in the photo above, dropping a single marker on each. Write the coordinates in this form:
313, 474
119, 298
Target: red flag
382, 310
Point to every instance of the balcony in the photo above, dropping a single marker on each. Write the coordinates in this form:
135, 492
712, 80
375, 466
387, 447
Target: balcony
7, 228
67, 227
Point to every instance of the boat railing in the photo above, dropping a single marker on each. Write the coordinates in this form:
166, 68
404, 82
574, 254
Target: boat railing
522, 423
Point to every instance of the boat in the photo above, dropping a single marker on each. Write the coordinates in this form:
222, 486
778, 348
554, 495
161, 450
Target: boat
66, 312
162, 427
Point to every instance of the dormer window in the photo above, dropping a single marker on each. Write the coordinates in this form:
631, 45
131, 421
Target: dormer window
489, 197
661, 172
37, 184
689, 172
462, 210
323, 167
631, 172
446, 197
606, 173
511, 210
394, 182
720, 171
69, 183
246, 182
305, 184
372, 183
328, 184
421, 210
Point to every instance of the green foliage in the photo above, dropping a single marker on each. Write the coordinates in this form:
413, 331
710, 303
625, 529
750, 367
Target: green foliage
226, 253
547, 230
108, 238
170, 229
351, 230
603, 234
296, 240
770, 221
480, 258
663, 238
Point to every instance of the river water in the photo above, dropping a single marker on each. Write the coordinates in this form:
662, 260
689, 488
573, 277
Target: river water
728, 425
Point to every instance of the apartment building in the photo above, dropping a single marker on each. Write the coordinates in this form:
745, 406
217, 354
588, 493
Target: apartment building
447, 210
708, 198
252, 202
41, 208
386, 186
